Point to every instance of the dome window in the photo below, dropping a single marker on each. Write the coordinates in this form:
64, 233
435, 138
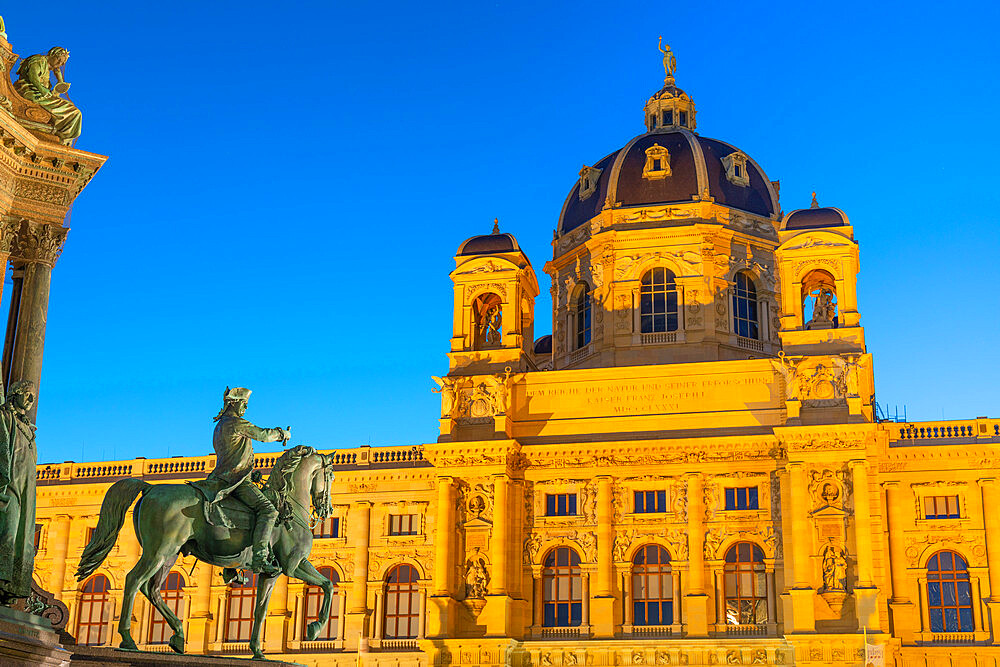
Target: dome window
736, 169
683, 117
668, 117
658, 301
588, 181
657, 163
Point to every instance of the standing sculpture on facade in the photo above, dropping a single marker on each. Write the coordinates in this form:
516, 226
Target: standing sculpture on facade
174, 519
834, 569
18, 456
669, 61
34, 83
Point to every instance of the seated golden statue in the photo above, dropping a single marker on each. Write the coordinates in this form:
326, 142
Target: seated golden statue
34, 84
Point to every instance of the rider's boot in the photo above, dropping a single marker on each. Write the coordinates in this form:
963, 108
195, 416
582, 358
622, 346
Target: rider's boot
263, 560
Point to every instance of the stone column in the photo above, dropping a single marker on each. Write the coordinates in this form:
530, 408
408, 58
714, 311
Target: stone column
696, 602
585, 602
605, 537
803, 615
58, 539
896, 507
361, 523
603, 610
36, 250
991, 498
539, 600
445, 539
498, 541
865, 593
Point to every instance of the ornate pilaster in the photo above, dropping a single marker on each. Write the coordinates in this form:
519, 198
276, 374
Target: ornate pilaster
866, 593
498, 541
361, 524
696, 603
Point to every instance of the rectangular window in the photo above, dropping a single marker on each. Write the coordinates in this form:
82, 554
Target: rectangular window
38, 536
941, 507
647, 502
90, 534
684, 118
668, 117
329, 527
403, 524
560, 504
741, 498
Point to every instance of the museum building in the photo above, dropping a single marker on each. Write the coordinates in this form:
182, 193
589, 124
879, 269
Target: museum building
688, 471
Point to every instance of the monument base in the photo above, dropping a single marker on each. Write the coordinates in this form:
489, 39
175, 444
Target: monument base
103, 655
26, 639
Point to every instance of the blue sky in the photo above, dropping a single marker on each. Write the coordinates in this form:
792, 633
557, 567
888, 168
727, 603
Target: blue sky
283, 177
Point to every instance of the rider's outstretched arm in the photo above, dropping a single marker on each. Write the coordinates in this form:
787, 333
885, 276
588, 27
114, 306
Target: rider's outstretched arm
262, 434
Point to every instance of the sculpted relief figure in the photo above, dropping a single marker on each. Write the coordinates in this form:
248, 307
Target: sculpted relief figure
446, 387
18, 456
35, 85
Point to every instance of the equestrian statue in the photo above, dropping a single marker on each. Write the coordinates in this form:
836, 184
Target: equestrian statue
225, 520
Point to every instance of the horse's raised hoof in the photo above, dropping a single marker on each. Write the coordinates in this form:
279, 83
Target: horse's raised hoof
258, 654
312, 630
177, 643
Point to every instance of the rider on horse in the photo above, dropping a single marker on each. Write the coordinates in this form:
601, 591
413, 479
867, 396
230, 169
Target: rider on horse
233, 466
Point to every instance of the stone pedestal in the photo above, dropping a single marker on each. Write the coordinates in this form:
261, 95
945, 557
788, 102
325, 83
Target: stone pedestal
102, 655
26, 640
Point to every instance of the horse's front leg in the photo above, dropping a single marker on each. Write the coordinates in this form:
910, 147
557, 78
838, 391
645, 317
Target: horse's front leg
309, 574
265, 585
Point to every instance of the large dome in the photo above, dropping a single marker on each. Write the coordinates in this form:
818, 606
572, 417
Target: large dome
697, 168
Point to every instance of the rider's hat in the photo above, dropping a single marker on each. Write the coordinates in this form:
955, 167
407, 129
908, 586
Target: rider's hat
237, 394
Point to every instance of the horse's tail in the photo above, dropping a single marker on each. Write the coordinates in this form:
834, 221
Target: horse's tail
118, 499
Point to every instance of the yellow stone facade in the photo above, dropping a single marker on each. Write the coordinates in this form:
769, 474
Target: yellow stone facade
679, 424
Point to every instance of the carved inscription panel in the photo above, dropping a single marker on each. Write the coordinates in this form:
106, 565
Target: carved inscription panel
647, 396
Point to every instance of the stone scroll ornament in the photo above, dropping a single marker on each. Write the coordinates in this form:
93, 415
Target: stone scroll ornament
296, 494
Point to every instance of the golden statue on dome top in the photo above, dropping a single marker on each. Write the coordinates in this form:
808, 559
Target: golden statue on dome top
669, 62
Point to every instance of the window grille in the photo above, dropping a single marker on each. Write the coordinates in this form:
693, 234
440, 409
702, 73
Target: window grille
314, 600
402, 603
560, 504
949, 593
658, 301
562, 585
745, 585
172, 592
745, 316
652, 587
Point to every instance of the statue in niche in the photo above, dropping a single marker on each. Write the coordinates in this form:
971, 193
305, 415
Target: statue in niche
18, 456
34, 84
477, 579
834, 568
824, 310
488, 313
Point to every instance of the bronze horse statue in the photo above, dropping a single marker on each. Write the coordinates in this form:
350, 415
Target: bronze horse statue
169, 519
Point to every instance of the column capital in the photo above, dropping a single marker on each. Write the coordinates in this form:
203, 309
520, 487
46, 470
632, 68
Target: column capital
858, 463
447, 479
38, 242
985, 482
364, 503
890, 484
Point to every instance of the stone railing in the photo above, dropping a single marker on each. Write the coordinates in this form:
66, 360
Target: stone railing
753, 630
197, 466
953, 638
651, 631
944, 430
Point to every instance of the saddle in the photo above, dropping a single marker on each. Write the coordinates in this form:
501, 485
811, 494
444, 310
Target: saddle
228, 511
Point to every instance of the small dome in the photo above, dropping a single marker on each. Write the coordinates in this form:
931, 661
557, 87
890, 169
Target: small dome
489, 244
814, 217
544, 345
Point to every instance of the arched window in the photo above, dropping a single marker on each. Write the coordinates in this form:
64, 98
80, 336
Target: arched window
402, 603
314, 600
658, 301
949, 594
239, 611
95, 607
745, 319
652, 587
487, 321
172, 592
583, 317
562, 586
745, 585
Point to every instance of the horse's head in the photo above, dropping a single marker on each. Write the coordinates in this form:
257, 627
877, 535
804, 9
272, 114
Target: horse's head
302, 470
320, 483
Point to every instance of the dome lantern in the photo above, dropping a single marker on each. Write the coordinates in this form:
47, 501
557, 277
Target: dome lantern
671, 107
